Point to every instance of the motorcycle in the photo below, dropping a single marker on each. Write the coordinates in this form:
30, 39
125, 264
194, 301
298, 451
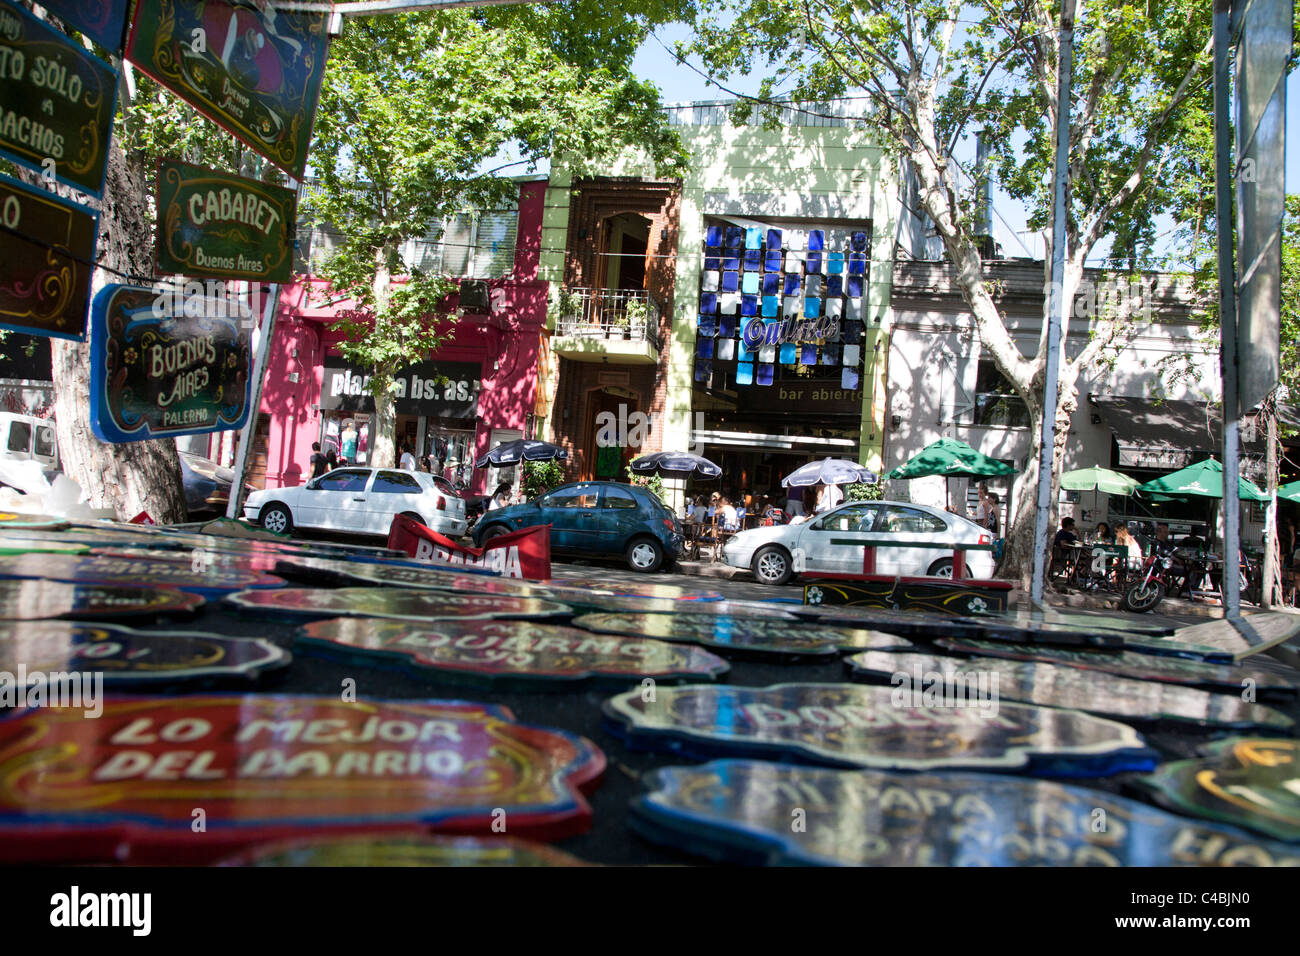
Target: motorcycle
1153, 582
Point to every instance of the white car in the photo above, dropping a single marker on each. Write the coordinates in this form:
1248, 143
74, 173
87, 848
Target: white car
360, 501
833, 543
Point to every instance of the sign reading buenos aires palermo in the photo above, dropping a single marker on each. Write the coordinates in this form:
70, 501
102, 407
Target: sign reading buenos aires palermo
224, 226
47, 255
56, 102
253, 69
157, 370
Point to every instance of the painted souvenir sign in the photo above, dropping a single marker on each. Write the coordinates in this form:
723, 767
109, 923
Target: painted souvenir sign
409, 849
20, 544
266, 767
47, 256
937, 595
36, 600
748, 811
1245, 636
1074, 688
902, 623
395, 603
1266, 675
126, 656
216, 224
337, 572
1248, 782
56, 102
512, 652
158, 370
10, 520
753, 636
851, 725
196, 559
1080, 621
128, 572
257, 71
104, 21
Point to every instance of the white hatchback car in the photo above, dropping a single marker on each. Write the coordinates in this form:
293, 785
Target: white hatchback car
360, 501
834, 543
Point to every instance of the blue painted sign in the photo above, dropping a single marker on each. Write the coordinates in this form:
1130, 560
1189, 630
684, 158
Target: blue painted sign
104, 21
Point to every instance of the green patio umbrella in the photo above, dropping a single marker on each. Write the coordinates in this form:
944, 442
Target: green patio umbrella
1290, 492
1201, 480
951, 458
1099, 479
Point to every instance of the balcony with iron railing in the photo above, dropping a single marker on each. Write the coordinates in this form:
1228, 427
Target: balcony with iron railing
614, 325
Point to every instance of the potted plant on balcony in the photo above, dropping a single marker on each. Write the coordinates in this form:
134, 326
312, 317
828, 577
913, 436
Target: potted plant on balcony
633, 317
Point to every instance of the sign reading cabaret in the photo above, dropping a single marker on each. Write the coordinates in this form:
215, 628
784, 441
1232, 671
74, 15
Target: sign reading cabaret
47, 255
56, 102
156, 371
249, 67
444, 389
216, 224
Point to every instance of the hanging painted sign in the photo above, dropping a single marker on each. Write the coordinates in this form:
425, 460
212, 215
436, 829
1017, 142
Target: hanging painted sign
516, 653
267, 767
393, 603
742, 636
129, 572
47, 256
104, 21
403, 849
1263, 675
251, 68
1069, 687
156, 372
56, 102
445, 389
224, 226
1247, 782
44, 650
38, 600
851, 725
756, 812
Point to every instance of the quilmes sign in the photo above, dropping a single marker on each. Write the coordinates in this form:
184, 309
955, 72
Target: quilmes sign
215, 224
446, 389
157, 372
47, 255
56, 102
249, 67
757, 333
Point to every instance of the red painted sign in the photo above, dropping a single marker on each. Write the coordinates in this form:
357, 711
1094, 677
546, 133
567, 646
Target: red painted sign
193, 779
525, 553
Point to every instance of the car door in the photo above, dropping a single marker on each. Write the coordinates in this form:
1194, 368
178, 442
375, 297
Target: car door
391, 492
571, 512
902, 523
619, 518
835, 542
336, 502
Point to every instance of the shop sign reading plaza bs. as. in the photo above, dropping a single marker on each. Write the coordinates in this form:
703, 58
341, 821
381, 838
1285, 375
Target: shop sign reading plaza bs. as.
219, 225
163, 367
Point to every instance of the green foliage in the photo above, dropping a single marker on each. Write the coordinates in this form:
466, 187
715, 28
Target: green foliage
540, 477
652, 483
861, 491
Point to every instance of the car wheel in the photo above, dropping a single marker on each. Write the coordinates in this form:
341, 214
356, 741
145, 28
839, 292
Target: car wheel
645, 554
413, 516
772, 565
495, 531
276, 517
941, 568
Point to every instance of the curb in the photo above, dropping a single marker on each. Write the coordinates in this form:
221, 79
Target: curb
706, 569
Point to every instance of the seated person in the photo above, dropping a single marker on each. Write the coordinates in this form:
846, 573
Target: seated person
1066, 535
1102, 534
730, 517
1194, 541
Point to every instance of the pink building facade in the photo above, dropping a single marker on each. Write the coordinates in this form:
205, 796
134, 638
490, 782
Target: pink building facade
477, 390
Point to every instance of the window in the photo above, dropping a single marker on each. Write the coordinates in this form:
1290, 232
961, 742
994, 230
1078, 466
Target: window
45, 442
618, 498
898, 520
996, 401
20, 436
583, 496
395, 483
852, 518
344, 480
471, 245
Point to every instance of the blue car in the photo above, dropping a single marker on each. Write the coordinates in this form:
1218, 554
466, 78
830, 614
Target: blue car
596, 518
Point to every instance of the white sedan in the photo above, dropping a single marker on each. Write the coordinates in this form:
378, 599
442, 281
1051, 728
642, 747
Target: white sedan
360, 501
834, 542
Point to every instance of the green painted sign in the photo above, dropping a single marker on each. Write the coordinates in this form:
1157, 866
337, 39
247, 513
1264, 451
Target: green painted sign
47, 256
219, 225
56, 102
251, 68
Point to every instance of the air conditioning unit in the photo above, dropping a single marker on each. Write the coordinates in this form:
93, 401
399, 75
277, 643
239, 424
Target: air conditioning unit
474, 296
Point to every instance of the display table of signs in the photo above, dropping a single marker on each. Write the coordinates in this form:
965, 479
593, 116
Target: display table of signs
323, 705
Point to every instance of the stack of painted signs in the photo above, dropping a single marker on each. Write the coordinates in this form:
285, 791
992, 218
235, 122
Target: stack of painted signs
174, 697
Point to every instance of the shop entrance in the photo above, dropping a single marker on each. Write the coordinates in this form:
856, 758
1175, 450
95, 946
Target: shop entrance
606, 460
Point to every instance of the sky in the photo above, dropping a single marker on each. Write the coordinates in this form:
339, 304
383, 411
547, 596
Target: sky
679, 83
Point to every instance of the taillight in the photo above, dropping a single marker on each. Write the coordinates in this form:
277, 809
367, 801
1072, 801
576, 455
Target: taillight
668, 523
985, 539
442, 503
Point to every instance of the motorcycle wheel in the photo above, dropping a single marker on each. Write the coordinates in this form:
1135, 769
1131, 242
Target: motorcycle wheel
1143, 596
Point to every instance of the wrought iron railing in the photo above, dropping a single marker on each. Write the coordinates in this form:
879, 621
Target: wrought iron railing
629, 314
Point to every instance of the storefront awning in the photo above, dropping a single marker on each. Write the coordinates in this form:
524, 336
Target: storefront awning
1167, 435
